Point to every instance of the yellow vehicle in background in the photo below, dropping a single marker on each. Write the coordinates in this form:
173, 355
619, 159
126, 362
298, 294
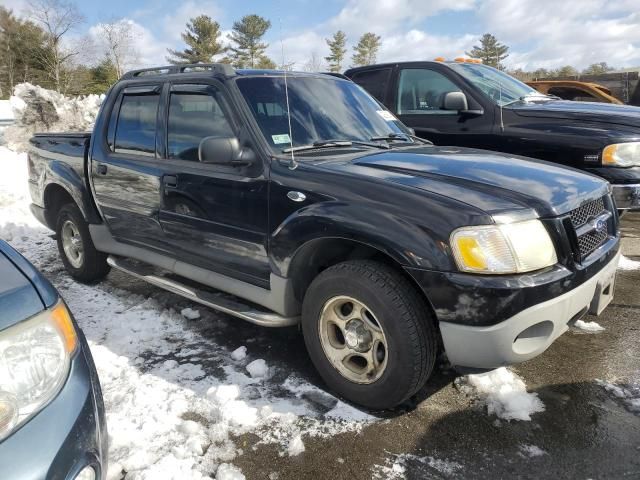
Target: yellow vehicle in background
575, 90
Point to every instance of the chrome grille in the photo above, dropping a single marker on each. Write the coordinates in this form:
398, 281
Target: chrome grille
586, 212
590, 241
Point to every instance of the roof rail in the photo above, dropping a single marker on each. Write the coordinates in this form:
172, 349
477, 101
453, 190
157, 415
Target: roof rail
221, 68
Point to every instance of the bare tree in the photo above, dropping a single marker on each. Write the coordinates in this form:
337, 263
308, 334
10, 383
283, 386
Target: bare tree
57, 18
314, 64
119, 37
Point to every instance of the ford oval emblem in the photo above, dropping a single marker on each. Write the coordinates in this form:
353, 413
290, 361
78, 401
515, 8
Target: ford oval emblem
601, 226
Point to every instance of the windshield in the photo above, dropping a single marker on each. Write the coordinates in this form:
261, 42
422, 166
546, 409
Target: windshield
322, 110
499, 86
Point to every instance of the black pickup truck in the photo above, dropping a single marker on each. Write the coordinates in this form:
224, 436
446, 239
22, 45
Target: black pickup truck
296, 198
472, 105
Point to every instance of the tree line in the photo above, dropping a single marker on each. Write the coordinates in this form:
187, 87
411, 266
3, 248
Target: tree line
43, 48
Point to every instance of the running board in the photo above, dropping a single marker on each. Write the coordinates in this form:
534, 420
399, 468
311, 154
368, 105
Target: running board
224, 303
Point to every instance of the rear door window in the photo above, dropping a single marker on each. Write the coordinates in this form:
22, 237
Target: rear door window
374, 81
421, 92
136, 126
192, 117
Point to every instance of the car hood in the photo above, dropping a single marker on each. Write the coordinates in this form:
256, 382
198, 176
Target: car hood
498, 184
585, 111
24, 292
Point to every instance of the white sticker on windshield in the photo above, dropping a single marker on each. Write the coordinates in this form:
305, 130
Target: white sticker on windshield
386, 115
280, 139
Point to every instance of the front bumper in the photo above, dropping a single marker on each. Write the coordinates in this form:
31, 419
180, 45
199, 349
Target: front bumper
627, 196
66, 436
531, 331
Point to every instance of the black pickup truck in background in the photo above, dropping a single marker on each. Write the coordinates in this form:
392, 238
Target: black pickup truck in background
472, 105
299, 199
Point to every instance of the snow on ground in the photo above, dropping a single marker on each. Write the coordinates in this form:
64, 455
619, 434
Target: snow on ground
503, 392
628, 264
175, 400
406, 466
627, 393
592, 327
531, 451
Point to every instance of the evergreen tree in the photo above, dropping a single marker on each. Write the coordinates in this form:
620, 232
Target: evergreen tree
337, 46
248, 50
102, 76
366, 50
490, 51
266, 63
202, 37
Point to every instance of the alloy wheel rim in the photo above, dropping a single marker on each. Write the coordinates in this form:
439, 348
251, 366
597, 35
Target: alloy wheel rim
72, 244
353, 340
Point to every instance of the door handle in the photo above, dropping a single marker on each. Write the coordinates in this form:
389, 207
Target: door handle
170, 181
102, 169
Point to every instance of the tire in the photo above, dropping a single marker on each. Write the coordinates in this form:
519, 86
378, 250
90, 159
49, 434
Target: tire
393, 305
89, 266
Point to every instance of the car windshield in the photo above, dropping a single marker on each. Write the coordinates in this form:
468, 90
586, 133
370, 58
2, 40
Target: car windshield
497, 85
323, 111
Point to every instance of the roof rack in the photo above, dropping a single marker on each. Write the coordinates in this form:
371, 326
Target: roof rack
220, 68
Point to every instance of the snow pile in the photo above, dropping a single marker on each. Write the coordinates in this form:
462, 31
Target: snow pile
627, 264
175, 400
37, 109
239, 354
408, 466
503, 392
296, 446
190, 313
531, 451
592, 327
626, 393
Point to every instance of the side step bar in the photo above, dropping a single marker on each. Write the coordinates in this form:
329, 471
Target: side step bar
223, 302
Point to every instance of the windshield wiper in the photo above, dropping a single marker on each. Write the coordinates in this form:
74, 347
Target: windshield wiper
405, 137
334, 144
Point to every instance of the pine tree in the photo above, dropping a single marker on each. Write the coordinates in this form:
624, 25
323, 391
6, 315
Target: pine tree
366, 50
202, 37
266, 63
247, 34
490, 51
337, 46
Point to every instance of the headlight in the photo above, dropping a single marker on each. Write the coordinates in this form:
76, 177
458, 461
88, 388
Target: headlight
501, 249
622, 154
34, 364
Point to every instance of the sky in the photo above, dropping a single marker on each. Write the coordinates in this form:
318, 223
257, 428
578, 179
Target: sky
540, 33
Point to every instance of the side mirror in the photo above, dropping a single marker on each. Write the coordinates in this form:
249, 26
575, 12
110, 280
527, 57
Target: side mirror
223, 151
456, 101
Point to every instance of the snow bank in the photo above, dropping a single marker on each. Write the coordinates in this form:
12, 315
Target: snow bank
40, 110
627, 264
503, 392
592, 327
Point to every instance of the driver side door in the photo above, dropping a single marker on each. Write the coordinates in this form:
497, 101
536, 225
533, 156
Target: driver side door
418, 102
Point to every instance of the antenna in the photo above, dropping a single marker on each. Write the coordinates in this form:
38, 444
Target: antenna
293, 164
501, 118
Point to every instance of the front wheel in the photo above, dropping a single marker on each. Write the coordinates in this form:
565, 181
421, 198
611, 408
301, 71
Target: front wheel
369, 333
79, 255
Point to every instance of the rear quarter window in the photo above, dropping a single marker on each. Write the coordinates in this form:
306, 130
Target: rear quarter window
136, 126
374, 81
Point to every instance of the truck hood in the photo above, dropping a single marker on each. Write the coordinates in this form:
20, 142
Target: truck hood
584, 111
498, 184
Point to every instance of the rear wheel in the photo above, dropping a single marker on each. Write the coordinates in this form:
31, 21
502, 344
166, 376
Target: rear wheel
369, 333
79, 255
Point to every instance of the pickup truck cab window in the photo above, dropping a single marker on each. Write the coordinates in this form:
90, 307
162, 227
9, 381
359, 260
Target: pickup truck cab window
322, 109
374, 81
192, 117
136, 126
421, 91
